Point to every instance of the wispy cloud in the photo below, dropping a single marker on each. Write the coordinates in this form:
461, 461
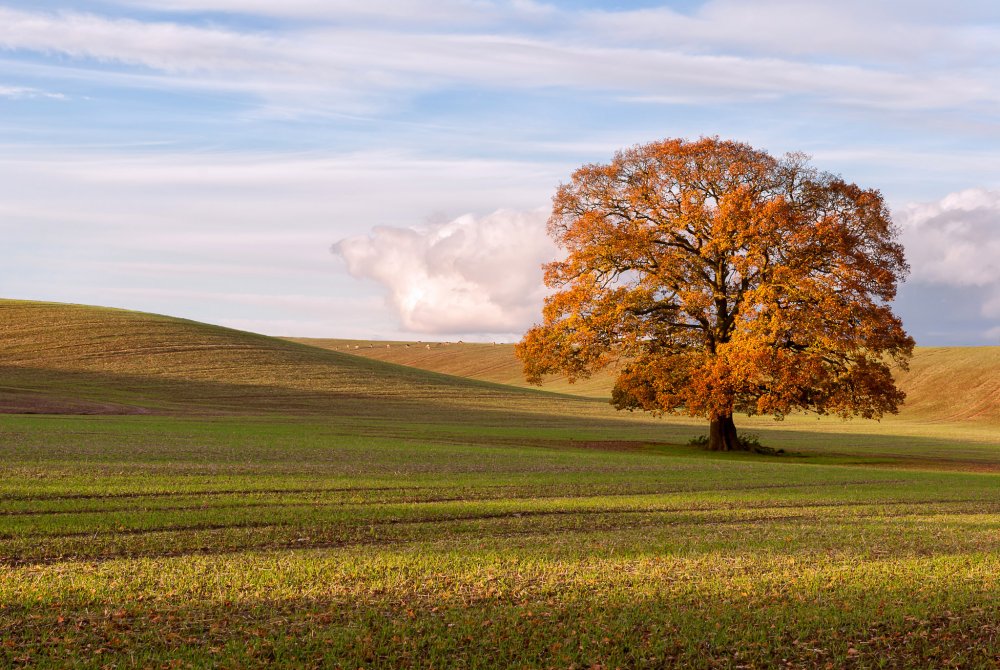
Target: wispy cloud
893, 31
407, 12
333, 66
221, 197
322, 304
27, 93
165, 46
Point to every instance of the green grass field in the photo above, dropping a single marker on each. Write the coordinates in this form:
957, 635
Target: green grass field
189, 496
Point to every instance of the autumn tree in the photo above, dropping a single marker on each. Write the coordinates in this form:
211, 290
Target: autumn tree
721, 279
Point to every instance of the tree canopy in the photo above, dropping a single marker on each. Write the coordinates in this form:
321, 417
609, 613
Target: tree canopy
721, 279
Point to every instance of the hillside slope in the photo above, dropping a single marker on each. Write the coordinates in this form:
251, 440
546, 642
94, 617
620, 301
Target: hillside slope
953, 384
945, 384
80, 359
486, 362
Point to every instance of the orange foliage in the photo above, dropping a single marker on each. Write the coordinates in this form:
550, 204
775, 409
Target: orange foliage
723, 279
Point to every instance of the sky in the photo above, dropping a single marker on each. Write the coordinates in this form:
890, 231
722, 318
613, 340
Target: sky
384, 169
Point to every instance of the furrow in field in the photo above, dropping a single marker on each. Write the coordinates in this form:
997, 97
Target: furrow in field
504, 488
866, 534
388, 515
978, 505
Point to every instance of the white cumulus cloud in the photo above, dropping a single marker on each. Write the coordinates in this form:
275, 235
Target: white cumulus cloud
468, 275
955, 241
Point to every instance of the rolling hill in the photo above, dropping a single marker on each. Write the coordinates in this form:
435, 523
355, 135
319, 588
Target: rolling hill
58, 358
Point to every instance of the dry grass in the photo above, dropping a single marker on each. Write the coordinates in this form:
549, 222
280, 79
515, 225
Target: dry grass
486, 362
944, 384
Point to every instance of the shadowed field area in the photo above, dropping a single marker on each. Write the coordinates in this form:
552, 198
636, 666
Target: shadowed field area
473, 360
192, 496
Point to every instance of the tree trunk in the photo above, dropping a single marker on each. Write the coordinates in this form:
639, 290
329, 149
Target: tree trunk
722, 434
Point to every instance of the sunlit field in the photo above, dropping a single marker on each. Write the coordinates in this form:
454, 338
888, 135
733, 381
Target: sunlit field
190, 496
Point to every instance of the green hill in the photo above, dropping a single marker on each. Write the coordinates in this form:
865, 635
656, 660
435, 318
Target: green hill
944, 384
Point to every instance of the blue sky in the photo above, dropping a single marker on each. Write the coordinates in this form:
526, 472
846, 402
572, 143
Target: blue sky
383, 169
